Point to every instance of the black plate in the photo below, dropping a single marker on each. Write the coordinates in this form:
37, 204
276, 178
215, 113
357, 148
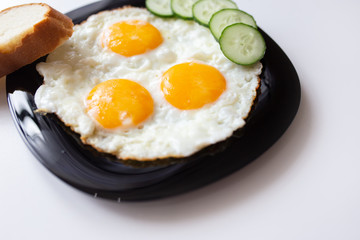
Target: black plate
61, 152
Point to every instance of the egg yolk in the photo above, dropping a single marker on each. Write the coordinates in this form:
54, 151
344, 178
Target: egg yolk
119, 103
132, 37
191, 85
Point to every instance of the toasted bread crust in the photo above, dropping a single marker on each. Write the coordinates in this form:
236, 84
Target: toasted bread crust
46, 35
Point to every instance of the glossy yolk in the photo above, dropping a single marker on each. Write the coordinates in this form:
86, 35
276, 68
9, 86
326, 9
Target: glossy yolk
132, 37
119, 103
192, 85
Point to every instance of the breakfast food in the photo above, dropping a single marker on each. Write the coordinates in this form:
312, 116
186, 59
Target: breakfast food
242, 44
143, 87
183, 9
204, 9
161, 8
38, 31
226, 17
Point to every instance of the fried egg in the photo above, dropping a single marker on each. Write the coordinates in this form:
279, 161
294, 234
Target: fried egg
144, 88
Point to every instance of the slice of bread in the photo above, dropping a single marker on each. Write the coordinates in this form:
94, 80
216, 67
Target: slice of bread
28, 32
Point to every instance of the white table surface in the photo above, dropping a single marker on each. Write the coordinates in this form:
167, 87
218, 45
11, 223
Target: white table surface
305, 187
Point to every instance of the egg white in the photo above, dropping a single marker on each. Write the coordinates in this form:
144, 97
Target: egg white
73, 69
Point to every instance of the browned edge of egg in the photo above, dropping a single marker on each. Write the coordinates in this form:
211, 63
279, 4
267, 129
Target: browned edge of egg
163, 161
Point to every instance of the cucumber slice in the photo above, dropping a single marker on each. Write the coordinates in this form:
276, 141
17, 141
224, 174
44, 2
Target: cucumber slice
242, 44
223, 18
204, 9
183, 8
161, 8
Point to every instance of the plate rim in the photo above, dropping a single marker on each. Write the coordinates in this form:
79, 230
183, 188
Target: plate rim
128, 195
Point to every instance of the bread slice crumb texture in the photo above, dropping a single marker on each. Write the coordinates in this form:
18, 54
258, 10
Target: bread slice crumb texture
28, 32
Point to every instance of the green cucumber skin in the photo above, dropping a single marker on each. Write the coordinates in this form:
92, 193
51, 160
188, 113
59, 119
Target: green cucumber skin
195, 18
248, 63
203, 23
179, 15
162, 16
225, 10
244, 63
158, 14
182, 17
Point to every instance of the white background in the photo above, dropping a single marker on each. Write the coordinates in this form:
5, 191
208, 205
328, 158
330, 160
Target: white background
307, 186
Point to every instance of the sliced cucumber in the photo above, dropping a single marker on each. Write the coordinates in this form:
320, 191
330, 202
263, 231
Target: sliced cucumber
161, 8
183, 8
242, 44
223, 18
204, 9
